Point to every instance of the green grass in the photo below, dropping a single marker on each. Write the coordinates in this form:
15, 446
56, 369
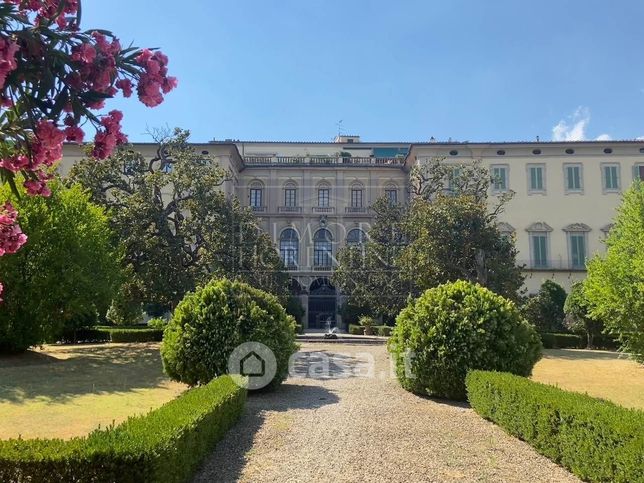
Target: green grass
602, 374
66, 391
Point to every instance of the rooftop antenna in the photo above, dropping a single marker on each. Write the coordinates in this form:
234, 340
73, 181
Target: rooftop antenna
340, 128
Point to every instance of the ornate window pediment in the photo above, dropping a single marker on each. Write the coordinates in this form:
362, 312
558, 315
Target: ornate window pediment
607, 228
505, 227
539, 226
577, 227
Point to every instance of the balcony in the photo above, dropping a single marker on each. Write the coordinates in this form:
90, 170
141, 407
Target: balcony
322, 161
551, 266
322, 268
258, 209
323, 209
356, 209
289, 209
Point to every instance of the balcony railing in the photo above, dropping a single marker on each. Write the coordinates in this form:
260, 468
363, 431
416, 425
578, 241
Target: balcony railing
322, 160
322, 268
356, 209
551, 265
289, 209
323, 209
259, 209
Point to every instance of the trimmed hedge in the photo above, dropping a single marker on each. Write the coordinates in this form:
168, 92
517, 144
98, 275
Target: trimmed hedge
112, 334
552, 340
165, 445
381, 330
595, 439
558, 340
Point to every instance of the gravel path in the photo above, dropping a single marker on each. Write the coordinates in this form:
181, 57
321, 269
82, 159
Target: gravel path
345, 428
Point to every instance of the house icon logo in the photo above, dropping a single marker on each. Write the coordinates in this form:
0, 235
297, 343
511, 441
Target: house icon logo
255, 362
252, 365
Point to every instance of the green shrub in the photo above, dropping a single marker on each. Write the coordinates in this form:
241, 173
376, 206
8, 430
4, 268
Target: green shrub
210, 323
135, 335
67, 272
545, 310
561, 341
157, 323
356, 329
456, 327
595, 439
383, 330
165, 445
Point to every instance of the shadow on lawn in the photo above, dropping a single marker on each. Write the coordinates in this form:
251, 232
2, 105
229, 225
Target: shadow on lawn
583, 354
79, 370
228, 459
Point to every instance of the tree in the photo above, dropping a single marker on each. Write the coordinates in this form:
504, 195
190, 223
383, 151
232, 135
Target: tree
177, 226
448, 232
615, 283
367, 273
67, 273
545, 310
455, 238
578, 318
53, 79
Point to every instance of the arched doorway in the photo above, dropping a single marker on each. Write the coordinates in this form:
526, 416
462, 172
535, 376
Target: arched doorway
322, 304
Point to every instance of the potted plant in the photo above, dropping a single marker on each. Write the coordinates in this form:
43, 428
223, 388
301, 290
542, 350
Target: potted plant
367, 323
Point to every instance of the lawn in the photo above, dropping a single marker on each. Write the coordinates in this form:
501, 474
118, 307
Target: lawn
65, 391
603, 374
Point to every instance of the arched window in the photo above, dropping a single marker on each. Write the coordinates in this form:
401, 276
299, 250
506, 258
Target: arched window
322, 248
289, 247
356, 237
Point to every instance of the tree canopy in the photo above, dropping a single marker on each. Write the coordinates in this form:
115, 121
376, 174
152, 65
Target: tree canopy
615, 283
177, 226
68, 272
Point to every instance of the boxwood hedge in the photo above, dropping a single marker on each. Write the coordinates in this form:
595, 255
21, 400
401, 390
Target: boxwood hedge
595, 439
165, 445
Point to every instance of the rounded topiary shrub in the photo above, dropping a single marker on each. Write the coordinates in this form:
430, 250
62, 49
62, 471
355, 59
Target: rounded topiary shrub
210, 323
456, 327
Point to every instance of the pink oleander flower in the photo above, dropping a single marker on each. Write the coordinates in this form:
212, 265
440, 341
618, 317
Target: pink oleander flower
111, 136
154, 80
47, 148
8, 49
74, 134
37, 187
85, 53
15, 163
1, 290
11, 236
125, 85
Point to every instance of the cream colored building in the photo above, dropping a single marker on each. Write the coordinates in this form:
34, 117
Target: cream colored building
313, 198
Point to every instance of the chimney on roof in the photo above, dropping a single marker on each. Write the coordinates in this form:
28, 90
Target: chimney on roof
345, 139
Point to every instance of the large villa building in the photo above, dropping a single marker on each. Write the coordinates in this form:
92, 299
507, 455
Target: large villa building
315, 197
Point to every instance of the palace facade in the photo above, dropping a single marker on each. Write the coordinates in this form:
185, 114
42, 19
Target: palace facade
315, 197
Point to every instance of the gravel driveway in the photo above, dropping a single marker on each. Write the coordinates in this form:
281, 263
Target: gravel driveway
342, 426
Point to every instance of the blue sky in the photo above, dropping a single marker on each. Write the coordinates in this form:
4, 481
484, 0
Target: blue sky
494, 70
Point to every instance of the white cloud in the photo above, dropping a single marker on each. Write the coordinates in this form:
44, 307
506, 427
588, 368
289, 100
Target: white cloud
639, 138
603, 137
573, 129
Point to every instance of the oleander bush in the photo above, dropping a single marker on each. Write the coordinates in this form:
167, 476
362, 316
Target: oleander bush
210, 323
456, 327
595, 439
166, 445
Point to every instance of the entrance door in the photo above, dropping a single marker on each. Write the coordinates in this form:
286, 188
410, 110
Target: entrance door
322, 304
